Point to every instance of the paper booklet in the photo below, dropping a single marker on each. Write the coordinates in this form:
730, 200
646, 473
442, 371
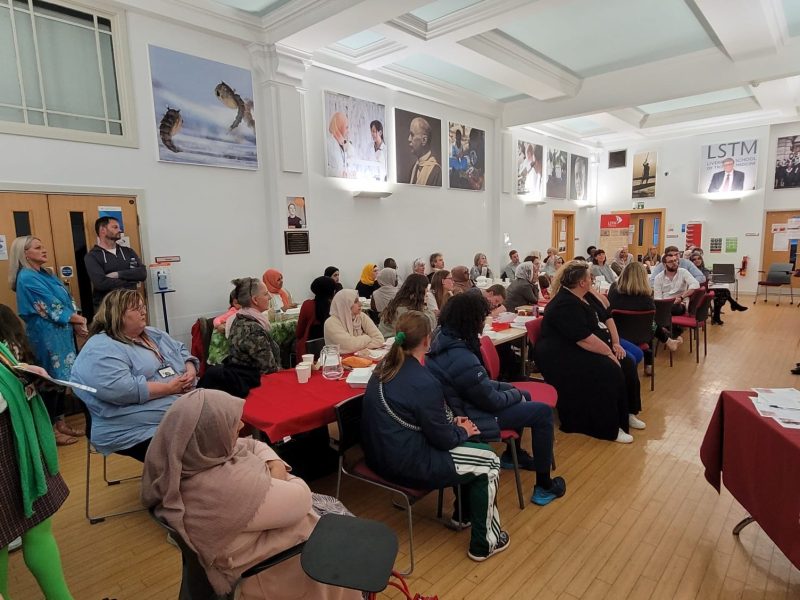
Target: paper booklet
29, 373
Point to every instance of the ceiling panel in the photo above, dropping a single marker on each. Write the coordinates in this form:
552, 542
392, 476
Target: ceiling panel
590, 37
581, 125
441, 8
792, 10
256, 7
438, 69
361, 40
699, 100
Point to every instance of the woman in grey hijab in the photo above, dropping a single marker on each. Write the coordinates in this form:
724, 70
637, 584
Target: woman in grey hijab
388, 290
523, 290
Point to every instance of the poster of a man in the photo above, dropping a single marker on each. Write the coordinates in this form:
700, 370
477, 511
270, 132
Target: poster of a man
419, 158
296, 212
355, 146
645, 166
466, 157
728, 167
578, 177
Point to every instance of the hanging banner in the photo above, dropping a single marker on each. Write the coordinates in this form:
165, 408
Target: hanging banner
694, 235
614, 232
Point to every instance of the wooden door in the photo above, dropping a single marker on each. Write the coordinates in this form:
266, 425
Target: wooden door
648, 231
72, 219
22, 214
787, 252
564, 233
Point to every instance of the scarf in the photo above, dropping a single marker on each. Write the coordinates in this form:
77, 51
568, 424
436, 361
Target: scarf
342, 309
248, 312
33, 434
367, 278
423, 168
461, 282
323, 288
270, 279
202, 480
388, 290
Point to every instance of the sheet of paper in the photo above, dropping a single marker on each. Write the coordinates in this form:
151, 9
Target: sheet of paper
780, 242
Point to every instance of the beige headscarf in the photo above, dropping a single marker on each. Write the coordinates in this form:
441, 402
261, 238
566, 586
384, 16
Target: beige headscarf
341, 308
338, 126
388, 290
201, 480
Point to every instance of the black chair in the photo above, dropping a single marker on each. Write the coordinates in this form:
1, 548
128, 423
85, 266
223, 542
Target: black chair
328, 556
315, 347
779, 275
348, 418
726, 273
636, 326
663, 318
90, 450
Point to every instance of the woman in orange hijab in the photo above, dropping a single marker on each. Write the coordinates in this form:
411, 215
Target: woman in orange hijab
280, 299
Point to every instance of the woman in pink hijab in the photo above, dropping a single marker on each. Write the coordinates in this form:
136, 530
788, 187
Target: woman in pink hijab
232, 500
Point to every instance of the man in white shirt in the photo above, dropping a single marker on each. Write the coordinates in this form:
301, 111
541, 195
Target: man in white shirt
508, 271
674, 282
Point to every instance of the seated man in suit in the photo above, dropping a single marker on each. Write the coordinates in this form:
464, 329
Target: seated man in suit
727, 180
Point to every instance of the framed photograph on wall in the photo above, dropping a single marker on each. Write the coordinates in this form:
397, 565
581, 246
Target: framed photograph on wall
530, 170
355, 138
466, 157
728, 167
578, 177
787, 162
556, 174
203, 111
643, 181
296, 212
418, 148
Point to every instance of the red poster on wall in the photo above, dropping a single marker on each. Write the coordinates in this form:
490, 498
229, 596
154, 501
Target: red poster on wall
622, 221
694, 235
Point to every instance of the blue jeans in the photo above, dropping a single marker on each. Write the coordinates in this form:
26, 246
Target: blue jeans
632, 350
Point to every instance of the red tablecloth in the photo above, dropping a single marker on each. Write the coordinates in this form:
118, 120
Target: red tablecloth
282, 406
760, 463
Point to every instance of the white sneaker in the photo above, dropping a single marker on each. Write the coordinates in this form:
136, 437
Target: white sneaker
17, 543
635, 422
624, 438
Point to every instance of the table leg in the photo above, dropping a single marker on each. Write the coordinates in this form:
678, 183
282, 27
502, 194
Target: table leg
742, 524
524, 355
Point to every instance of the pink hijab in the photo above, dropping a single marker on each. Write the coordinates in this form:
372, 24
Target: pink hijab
202, 480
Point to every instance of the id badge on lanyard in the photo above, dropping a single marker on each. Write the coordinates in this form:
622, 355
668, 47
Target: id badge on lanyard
166, 371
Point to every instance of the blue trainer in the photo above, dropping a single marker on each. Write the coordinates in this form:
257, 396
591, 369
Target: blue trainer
544, 497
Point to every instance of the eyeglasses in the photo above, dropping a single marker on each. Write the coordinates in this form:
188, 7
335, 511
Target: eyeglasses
139, 309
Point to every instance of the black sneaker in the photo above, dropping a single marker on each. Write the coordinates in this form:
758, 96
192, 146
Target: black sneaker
503, 543
524, 459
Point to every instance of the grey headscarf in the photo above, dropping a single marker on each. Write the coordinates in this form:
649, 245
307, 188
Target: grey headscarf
524, 271
388, 290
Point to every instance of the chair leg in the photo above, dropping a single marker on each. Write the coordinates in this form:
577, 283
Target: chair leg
690, 341
410, 537
339, 476
440, 503
517, 475
94, 519
705, 340
697, 345
653, 377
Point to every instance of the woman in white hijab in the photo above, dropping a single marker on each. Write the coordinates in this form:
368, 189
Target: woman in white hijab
388, 290
348, 327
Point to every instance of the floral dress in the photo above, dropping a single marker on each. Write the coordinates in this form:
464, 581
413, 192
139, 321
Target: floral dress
46, 307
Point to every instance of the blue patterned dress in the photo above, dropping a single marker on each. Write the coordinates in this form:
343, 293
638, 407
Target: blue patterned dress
46, 307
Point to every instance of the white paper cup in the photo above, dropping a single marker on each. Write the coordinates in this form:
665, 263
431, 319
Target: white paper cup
303, 371
308, 358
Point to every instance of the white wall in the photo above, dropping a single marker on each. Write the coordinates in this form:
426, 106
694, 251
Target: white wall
677, 192
214, 218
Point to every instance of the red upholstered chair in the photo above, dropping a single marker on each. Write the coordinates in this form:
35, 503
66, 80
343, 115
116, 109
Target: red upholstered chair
636, 326
695, 319
540, 392
779, 274
348, 418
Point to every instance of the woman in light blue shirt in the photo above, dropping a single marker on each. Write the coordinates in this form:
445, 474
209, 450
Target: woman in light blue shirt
138, 372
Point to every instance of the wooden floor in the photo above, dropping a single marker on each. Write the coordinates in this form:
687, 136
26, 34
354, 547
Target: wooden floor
638, 521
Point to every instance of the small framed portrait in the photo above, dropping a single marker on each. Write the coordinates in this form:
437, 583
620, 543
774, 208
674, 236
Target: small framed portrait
296, 212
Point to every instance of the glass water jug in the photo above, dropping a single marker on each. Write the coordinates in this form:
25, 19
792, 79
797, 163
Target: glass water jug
331, 361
